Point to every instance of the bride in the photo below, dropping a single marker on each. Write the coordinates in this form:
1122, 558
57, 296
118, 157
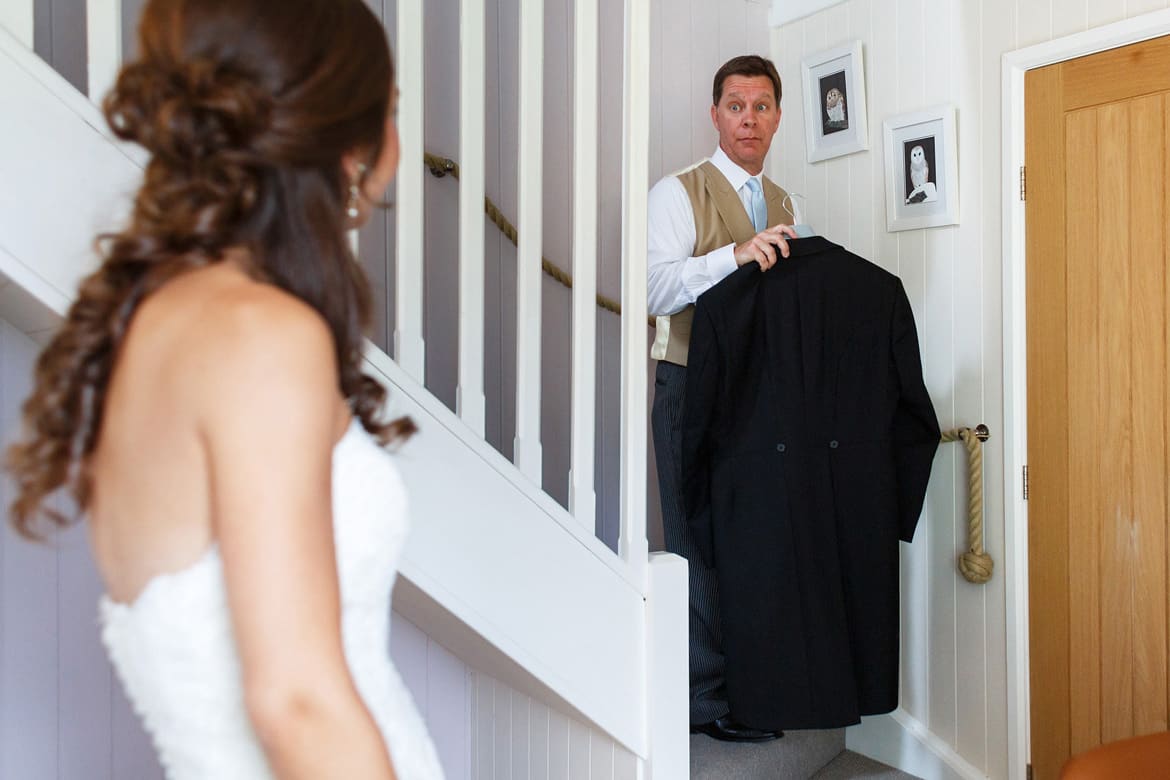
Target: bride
204, 401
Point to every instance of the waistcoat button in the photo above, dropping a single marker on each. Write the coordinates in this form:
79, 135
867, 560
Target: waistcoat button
780, 447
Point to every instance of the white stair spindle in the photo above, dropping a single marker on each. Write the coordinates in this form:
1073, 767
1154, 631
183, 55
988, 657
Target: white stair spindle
409, 349
633, 546
528, 253
582, 494
103, 40
16, 16
469, 394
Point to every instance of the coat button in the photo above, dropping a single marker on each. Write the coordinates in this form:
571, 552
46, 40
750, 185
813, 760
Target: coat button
833, 444
780, 447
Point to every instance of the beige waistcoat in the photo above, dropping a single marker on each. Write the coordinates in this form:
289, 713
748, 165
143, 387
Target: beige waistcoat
720, 219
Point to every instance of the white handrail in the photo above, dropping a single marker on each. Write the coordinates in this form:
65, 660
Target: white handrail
582, 493
632, 545
103, 41
16, 16
528, 253
409, 348
469, 395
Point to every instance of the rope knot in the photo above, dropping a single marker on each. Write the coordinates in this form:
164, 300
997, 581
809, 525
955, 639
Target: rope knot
976, 567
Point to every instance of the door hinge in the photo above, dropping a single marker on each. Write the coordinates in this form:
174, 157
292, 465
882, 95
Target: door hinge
1025, 482
1028, 772
1023, 182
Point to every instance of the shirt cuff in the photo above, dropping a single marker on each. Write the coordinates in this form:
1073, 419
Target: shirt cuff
721, 263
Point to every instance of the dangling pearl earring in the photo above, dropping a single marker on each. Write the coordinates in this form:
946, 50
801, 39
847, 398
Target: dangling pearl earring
355, 194
352, 207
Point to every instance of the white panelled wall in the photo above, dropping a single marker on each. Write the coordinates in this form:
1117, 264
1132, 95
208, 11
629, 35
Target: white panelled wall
953, 719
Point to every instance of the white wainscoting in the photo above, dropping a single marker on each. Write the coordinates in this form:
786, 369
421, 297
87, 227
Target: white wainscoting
486, 730
515, 737
62, 713
920, 53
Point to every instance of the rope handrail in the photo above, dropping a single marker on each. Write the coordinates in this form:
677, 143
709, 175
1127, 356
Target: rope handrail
444, 166
975, 564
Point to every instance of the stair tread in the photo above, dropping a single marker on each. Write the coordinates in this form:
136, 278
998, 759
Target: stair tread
854, 766
798, 755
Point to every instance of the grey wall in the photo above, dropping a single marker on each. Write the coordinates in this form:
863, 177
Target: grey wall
59, 37
131, 9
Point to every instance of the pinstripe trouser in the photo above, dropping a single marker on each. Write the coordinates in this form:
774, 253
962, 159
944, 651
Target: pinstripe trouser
708, 697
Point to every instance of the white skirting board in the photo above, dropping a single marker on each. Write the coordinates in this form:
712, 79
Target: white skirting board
901, 741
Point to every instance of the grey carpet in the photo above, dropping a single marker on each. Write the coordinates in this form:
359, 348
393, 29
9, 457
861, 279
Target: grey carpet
853, 766
797, 756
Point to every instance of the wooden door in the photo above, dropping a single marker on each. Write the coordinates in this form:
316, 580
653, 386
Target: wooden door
1097, 292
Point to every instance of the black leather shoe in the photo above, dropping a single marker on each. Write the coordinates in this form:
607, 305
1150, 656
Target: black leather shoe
729, 729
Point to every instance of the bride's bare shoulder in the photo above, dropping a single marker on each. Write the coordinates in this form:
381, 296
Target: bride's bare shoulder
250, 309
222, 327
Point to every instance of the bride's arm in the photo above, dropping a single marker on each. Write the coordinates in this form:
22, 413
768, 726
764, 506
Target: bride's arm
271, 415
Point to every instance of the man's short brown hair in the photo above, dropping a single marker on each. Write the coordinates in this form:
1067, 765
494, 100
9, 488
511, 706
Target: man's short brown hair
746, 65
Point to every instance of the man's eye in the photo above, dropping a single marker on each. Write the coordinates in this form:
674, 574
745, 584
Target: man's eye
762, 107
734, 107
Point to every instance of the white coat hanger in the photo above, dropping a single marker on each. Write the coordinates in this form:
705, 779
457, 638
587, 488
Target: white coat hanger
803, 230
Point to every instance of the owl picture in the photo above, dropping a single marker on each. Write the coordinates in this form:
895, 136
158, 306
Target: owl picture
919, 170
922, 169
920, 186
834, 113
835, 105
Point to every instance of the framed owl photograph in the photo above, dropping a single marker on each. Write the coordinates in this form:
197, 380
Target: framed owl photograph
922, 170
834, 103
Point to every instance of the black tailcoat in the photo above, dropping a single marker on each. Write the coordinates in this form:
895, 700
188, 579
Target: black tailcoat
808, 437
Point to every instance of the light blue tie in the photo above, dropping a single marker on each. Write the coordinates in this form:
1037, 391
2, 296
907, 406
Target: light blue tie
759, 210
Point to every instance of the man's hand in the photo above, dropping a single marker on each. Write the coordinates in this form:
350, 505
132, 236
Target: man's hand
759, 248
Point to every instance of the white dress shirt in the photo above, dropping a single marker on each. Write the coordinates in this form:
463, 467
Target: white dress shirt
675, 279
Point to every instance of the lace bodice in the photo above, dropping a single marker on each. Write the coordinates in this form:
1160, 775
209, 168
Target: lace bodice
174, 652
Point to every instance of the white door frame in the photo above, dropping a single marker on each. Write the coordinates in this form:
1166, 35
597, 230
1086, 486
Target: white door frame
1015, 65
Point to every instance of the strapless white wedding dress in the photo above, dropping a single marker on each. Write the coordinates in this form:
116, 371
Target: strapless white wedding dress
174, 652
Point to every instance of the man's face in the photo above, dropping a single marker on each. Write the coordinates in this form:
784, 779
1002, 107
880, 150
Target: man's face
746, 118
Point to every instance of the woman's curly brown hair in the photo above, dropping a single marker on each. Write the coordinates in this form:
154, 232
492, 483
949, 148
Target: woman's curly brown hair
246, 108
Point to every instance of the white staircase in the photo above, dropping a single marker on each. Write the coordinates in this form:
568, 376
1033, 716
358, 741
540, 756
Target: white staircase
496, 570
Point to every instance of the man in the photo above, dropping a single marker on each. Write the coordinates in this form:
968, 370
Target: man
704, 223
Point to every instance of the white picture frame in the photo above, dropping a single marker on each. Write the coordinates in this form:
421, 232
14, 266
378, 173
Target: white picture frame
835, 121
922, 169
